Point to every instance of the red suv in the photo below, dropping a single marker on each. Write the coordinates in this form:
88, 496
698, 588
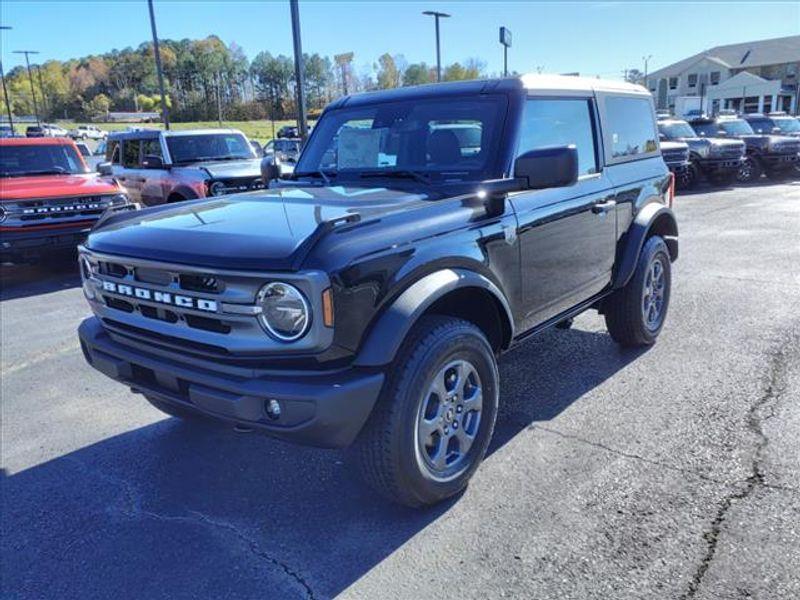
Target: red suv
49, 199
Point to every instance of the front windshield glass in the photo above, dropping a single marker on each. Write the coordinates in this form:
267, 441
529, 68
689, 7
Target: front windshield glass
208, 146
706, 129
674, 131
787, 124
18, 161
736, 127
452, 138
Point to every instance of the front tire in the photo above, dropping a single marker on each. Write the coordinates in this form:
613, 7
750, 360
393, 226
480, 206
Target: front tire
433, 422
636, 313
749, 171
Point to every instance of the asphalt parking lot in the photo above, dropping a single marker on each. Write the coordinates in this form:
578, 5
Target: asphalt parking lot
670, 473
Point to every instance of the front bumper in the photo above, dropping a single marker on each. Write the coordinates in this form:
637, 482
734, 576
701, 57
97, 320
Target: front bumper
34, 242
719, 166
326, 410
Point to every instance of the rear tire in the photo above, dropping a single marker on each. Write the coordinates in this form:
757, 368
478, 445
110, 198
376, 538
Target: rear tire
636, 313
433, 422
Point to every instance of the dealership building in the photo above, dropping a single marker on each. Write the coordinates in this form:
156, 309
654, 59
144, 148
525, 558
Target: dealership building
750, 77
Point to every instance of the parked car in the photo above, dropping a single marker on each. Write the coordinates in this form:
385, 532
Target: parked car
6, 131
676, 157
88, 132
45, 130
777, 123
369, 304
170, 166
48, 198
35, 131
288, 131
718, 160
773, 155
285, 151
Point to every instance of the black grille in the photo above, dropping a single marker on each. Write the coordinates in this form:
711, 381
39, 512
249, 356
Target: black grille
60, 208
200, 283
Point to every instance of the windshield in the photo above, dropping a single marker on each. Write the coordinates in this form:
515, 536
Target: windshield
208, 146
706, 129
677, 130
443, 137
18, 161
736, 127
787, 124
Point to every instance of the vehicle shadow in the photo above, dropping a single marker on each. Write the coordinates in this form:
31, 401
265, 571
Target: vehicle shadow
178, 509
23, 281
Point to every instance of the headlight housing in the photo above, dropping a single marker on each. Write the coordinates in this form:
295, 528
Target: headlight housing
285, 312
118, 199
3, 214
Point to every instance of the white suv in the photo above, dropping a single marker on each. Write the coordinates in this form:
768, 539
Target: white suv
88, 132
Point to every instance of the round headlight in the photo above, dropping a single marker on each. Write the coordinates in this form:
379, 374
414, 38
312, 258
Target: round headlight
118, 199
217, 188
284, 311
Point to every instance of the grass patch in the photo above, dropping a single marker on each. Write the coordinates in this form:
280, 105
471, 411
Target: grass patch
256, 130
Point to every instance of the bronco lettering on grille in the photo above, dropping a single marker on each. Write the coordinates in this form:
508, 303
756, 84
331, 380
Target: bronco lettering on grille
161, 297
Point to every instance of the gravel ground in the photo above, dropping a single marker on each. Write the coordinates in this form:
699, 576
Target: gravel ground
670, 473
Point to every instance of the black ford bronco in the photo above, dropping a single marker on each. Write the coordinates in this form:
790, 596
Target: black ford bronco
716, 159
773, 155
367, 299
676, 157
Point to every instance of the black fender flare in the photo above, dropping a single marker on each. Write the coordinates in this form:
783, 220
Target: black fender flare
386, 335
182, 190
651, 215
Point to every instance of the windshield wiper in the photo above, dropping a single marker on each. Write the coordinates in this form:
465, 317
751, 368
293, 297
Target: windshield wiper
399, 174
324, 175
51, 171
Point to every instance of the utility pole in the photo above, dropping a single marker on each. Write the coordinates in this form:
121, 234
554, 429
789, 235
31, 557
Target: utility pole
5, 89
157, 52
30, 78
437, 15
344, 60
505, 40
45, 109
646, 60
219, 99
298, 70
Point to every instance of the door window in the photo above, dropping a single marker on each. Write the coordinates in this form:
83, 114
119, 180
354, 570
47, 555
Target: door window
564, 122
130, 154
630, 126
151, 147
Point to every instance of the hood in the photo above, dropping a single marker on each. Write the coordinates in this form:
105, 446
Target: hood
55, 186
673, 146
267, 230
230, 169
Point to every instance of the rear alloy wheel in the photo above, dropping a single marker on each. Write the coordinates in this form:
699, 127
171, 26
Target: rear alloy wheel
433, 422
749, 171
636, 313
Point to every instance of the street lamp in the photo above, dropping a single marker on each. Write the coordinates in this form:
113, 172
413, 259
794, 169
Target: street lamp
27, 53
437, 15
5, 89
157, 52
646, 60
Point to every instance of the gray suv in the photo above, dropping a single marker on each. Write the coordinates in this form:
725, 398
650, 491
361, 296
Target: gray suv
170, 166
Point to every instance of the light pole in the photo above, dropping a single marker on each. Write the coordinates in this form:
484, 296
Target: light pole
5, 89
157, 52
45, 110
30, 78
505, 40
298, 70
646, 60
437, 15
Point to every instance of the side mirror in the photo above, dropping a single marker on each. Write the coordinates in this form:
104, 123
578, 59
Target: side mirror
552, 167
104, 168
270, 168
151, 161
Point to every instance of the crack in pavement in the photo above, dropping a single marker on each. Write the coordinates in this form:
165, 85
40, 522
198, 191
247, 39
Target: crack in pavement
134, 510
770, 396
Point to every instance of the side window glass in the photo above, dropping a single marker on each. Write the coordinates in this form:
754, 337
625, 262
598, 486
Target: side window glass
130, 154
151, 147
112, 152
560, 123
631, 127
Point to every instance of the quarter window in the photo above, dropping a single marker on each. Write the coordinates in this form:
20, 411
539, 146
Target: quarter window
630, 125
561, 123
130, 154
112, 152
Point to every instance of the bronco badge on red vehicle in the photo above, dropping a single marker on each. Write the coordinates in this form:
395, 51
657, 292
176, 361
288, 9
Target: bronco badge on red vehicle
49, 200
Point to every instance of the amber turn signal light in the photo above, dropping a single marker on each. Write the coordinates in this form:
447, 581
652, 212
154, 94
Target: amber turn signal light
327, 307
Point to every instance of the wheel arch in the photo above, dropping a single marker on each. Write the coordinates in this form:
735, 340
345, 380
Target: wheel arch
181, 193
653, 219
453, 292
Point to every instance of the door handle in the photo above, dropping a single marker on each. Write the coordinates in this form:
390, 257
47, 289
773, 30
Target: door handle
603, 207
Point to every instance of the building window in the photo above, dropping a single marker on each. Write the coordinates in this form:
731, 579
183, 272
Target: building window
714, 77
692, 80
767, 104
751, 104
673, 83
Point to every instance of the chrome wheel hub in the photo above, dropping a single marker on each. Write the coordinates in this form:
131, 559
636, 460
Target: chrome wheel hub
654, 294
448, 419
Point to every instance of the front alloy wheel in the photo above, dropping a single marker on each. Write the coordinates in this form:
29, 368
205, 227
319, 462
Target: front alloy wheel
749, 170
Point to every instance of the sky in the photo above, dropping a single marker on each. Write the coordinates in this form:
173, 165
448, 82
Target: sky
593, 38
